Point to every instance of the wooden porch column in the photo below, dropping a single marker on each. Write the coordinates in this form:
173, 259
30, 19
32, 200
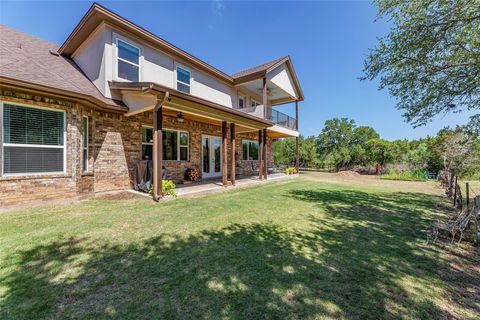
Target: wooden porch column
224, 154
297, 165
260, 143
157, 152
232, 144
265, 154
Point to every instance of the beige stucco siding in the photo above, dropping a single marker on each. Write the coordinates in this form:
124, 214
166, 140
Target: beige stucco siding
281, 78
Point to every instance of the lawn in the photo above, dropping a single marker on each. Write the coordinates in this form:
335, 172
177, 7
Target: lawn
313, 248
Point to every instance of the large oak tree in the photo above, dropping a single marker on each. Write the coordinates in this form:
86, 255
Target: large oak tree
430, 59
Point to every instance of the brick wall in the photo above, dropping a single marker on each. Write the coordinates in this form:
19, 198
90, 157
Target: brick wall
114, 150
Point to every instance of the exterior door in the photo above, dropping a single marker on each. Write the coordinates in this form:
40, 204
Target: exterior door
211, 156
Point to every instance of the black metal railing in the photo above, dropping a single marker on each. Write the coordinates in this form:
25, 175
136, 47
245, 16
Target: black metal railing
283, 120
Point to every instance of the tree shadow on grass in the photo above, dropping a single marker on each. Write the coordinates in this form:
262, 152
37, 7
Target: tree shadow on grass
381, 239
344, 266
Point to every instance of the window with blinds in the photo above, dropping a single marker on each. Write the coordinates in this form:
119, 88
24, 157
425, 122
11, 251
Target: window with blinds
33, 140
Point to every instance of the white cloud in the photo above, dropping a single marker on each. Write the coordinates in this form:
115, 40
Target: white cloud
218, 7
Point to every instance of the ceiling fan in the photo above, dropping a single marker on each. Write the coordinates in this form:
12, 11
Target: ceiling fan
270, 91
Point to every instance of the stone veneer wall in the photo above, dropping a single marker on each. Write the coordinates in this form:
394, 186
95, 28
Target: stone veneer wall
114, 150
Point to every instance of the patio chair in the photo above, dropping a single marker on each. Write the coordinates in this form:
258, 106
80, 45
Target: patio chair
454, 227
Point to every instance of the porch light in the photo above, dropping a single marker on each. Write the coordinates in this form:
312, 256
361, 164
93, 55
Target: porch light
180, 117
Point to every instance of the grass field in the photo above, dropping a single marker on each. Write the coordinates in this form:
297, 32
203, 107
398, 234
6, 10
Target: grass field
319, 247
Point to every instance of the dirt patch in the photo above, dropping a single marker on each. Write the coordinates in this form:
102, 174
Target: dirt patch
347, 173
120, 195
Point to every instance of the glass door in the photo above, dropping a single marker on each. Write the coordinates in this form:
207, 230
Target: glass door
211, 156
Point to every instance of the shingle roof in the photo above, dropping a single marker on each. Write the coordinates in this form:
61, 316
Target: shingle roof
26, 58
259, 68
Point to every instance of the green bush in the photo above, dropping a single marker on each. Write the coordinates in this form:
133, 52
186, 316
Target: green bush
415, 175
289, 171
168, 188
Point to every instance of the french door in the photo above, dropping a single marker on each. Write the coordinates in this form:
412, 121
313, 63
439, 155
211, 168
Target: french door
211, 156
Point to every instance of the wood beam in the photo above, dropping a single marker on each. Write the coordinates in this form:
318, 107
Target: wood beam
157, 152
260, 143
297, 160
224, 154
265, 97
232, 144
265, 155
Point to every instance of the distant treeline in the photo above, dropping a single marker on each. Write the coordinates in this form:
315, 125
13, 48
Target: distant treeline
344, 145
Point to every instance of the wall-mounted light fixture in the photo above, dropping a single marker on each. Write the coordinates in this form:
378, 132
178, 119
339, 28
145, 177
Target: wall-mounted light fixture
180, 117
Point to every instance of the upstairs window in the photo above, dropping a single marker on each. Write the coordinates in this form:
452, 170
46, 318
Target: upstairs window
128, 61
255, 103
241, 102
250, 150
183, 80
33, 140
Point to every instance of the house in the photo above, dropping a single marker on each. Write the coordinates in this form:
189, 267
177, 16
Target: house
77, 119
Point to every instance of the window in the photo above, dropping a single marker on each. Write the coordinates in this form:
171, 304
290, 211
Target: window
33, 140
250, 150
175, 144
147, 143
128, 61
85, 144
183, 80
255, 103
241, 102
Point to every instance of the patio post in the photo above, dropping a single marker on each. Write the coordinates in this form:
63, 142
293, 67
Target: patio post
265, 154
297, 165
232, 144
224, 154
157, 152
260, 143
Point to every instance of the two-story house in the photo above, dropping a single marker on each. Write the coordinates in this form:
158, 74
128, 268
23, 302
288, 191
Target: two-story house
77, 119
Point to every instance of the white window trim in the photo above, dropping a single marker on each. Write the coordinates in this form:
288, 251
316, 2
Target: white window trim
248, 149
178, 142
178, 65
116, 57
85, 148
3, 144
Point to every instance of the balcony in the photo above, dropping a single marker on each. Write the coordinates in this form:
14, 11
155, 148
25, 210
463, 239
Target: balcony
275, 116
283, 120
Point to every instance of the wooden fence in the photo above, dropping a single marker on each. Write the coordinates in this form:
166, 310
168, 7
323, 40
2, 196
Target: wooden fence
472, 198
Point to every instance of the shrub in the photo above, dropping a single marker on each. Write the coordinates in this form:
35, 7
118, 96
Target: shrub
168, 188
415, 175
289, 171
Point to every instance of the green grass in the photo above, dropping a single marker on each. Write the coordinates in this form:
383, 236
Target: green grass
297, 250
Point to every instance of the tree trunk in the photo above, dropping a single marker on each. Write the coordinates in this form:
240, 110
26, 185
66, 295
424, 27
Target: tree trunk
451, 184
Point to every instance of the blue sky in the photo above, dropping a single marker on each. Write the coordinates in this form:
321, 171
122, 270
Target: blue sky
327, 41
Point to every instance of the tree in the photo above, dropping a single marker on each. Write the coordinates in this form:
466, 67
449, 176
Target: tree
460, 152
379, 153
307, 151
336, 133
285, 150
430, 59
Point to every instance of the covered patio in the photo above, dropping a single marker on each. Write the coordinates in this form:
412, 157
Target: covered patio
216, 185
167, 102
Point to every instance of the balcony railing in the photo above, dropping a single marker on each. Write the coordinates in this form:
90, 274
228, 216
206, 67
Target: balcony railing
275, 116
283, 120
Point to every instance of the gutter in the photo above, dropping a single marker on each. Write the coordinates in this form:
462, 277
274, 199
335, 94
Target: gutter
79, 97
